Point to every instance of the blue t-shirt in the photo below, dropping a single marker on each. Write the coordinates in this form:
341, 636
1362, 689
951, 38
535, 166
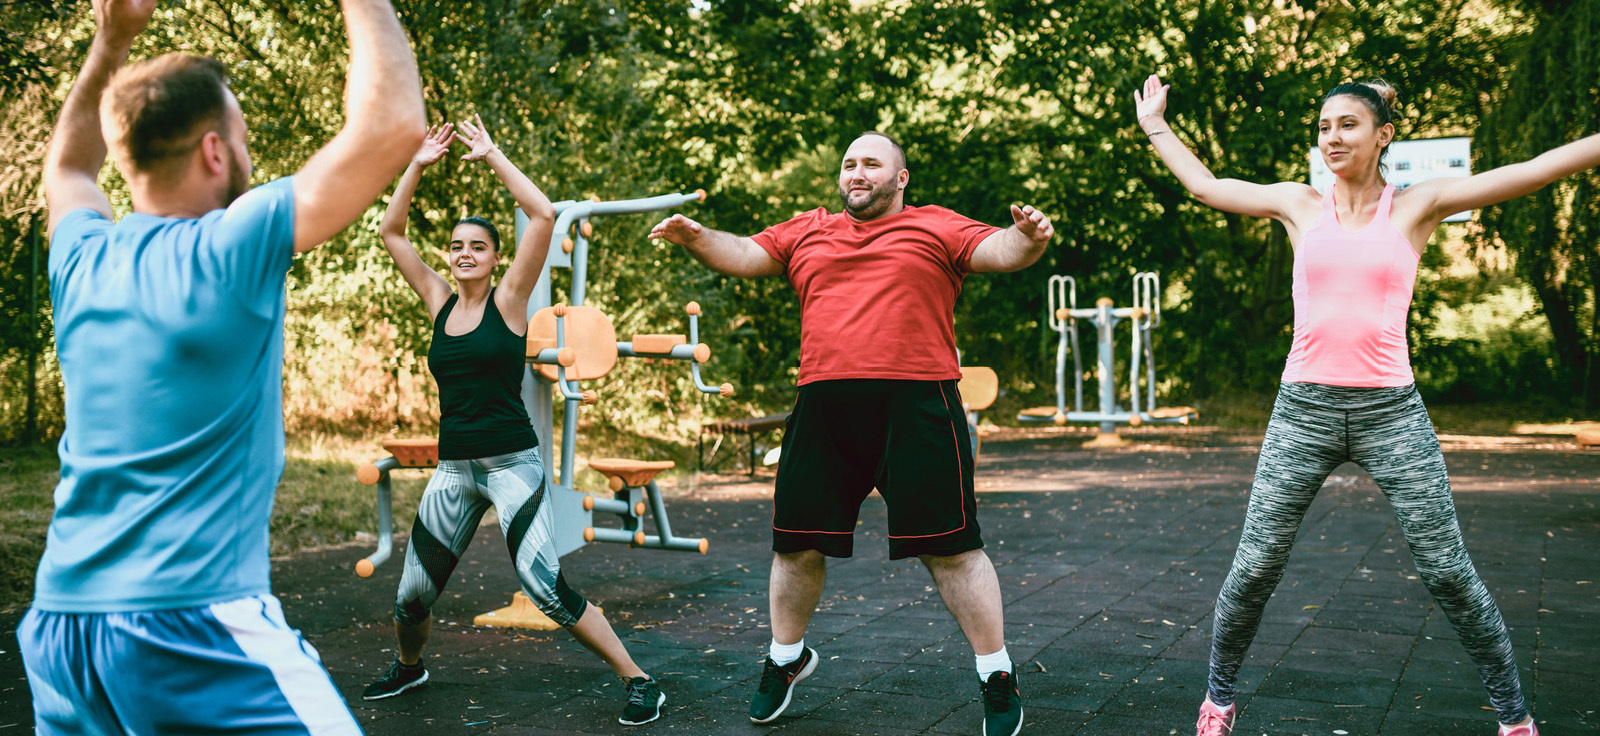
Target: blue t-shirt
170, 338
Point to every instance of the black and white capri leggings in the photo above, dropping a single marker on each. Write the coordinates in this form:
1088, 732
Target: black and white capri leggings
455, 501
1314, 429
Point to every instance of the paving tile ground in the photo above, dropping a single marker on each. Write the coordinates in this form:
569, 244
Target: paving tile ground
1109, 561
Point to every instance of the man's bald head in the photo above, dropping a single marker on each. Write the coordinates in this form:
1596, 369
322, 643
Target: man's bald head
875, 140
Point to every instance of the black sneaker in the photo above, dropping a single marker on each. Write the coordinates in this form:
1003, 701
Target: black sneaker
400, 678
644, 701
1002, 705
777, 684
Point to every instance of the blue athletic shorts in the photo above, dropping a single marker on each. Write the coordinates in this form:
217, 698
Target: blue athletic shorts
232, 667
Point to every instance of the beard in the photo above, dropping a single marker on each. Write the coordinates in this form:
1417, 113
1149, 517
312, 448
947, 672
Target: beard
238, 180
877, 201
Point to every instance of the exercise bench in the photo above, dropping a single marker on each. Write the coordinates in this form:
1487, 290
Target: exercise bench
747, 427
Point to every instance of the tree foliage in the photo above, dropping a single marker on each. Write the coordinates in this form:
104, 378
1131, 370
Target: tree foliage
753, 100
1554, 98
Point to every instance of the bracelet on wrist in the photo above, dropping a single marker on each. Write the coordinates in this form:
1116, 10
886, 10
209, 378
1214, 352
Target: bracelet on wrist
1154, 133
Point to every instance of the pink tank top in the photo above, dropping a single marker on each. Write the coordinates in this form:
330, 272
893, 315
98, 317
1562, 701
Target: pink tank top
1352, 293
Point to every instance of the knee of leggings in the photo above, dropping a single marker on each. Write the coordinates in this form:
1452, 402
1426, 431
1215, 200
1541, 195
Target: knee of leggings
559, 601
410, 613
1450, 584
1259, 577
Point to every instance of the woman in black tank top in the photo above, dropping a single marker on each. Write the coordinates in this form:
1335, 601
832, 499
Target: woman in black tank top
486, 442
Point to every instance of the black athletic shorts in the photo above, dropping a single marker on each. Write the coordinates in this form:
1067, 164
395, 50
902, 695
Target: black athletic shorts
908, 439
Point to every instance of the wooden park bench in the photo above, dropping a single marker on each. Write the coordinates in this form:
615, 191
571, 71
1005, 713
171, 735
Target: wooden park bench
747, 427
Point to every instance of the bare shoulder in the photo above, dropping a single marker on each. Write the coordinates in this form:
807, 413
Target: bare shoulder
1416, 203
1301, 204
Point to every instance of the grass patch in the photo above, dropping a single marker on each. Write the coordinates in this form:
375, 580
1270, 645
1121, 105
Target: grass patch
28, 478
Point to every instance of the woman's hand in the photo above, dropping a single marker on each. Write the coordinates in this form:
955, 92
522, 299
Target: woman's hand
1153, 103
477, 138
434, 146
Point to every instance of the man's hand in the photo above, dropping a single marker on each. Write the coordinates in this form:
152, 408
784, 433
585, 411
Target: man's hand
677, 229
119, 21
435, 146
1032, 223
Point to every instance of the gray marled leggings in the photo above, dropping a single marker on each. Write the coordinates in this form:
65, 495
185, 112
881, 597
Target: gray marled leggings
1314, 429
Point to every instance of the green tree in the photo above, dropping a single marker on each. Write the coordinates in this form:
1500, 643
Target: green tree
1552, 97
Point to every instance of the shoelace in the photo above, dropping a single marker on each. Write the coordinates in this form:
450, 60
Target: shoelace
997, 694
773, 676
638, 691
396, 671
1212, 724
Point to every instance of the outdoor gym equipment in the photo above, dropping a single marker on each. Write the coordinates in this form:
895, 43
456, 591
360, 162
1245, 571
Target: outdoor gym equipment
979, 387
567, 345
1144, 316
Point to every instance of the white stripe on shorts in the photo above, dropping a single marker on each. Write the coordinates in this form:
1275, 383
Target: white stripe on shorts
257, 626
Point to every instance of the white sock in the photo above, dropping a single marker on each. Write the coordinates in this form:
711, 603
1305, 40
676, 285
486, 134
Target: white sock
989, 664
783, 654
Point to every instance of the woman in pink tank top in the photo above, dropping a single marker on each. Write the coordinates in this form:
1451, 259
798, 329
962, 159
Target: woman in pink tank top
1347, 393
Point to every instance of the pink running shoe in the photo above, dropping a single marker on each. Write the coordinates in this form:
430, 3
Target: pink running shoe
1215, 721
1528, 730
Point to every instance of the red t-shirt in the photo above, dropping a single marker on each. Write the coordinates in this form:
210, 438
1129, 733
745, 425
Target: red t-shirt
877, 299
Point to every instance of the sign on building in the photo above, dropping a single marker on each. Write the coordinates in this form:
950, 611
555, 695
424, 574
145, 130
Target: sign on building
1413, 162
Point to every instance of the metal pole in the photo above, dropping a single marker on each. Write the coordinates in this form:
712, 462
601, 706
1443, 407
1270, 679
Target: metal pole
31, 427
1108, 375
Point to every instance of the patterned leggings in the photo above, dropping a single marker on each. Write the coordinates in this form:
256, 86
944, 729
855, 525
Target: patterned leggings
1314, 429
455, 501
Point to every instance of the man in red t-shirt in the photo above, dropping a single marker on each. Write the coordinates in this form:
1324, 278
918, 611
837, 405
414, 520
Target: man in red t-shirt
877, 404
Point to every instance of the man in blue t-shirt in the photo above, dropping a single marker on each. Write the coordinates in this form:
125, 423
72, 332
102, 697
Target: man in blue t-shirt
153, 612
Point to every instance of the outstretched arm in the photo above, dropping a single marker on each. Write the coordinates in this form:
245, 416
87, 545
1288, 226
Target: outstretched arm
1015, 247
383, 116
1508, 182
77, 150
1229, 195
428, 284
722, 252
535, 243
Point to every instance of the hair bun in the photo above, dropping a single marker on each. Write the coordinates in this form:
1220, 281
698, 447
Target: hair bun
1384, 90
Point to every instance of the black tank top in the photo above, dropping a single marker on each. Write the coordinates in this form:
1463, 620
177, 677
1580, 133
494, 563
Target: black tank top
480, 387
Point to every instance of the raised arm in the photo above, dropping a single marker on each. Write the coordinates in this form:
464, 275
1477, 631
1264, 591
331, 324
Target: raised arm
517, 285
722, 252
77, 149
1229, 195
1015, 247
384, 125
1494, 186
428, 284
